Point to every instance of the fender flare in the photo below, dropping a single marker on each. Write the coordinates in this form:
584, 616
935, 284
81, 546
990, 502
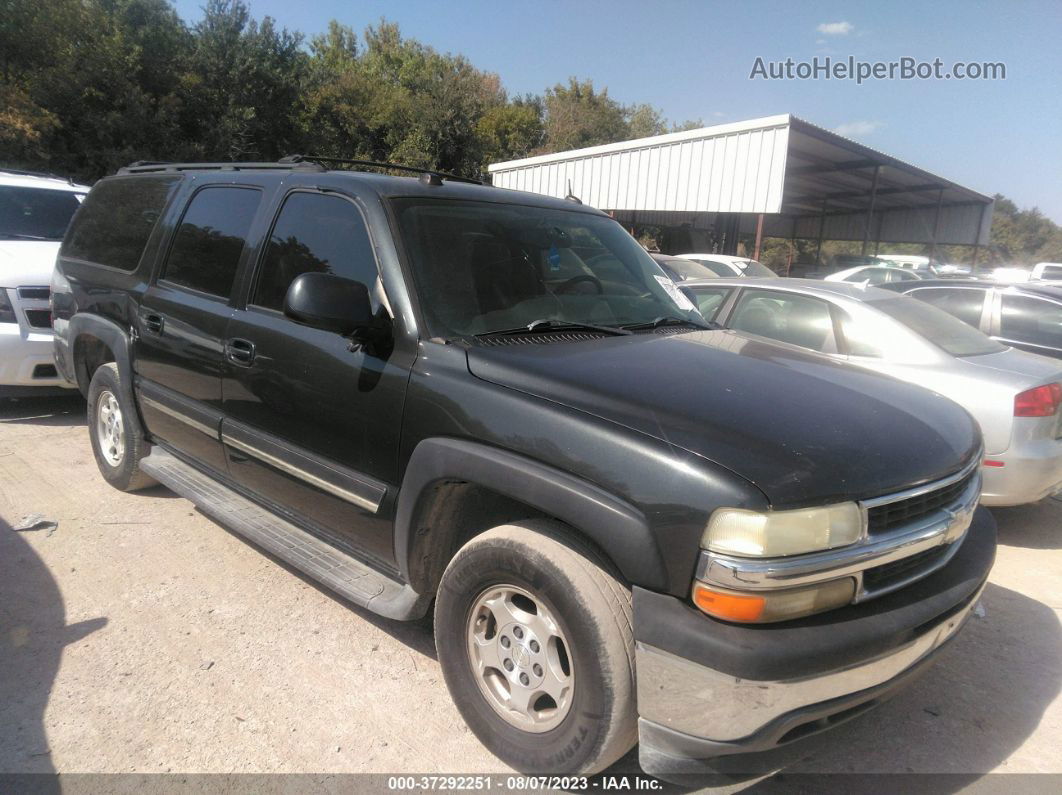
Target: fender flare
109, 333
617, 527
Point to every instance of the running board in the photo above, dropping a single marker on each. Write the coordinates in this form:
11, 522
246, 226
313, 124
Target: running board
347, 576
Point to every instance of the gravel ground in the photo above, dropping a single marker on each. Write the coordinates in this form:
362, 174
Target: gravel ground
139, 636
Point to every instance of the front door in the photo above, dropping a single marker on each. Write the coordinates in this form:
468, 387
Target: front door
182, 320
311, 422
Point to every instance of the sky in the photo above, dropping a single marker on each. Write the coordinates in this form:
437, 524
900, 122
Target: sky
693, 59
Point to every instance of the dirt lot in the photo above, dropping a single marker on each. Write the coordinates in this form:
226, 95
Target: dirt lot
141, 636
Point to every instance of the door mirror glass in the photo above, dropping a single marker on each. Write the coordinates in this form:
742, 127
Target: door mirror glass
329, 302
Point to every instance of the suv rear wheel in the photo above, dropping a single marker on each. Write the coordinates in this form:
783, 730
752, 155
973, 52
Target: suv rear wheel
535, 643
114, 429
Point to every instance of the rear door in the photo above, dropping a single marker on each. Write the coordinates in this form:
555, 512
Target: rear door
965, 303
182, 319
311, 421
1031, 323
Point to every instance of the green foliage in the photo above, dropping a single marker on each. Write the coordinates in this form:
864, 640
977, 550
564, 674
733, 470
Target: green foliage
87, 86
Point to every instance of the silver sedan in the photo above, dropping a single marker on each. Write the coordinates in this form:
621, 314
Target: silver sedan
1015, 396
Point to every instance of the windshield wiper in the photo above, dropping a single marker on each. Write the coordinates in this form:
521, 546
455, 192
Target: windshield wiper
552, 324
707, 325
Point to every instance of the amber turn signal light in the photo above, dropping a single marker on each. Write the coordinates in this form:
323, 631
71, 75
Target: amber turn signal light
728, 606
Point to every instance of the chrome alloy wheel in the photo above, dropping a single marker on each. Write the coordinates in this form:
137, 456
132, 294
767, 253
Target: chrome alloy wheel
110, 432
520, 658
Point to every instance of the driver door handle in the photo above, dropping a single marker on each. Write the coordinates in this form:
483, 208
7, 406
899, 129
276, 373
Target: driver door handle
153, 323
240, 351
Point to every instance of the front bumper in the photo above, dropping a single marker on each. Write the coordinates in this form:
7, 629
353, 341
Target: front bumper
708, 689
27, 362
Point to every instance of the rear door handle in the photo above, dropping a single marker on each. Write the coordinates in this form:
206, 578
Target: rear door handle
154, 323
240, 351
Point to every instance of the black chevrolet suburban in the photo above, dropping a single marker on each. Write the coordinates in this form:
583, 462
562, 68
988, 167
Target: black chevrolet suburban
434, 395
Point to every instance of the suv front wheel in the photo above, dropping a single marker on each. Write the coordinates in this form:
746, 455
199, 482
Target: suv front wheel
117, 441
535, 642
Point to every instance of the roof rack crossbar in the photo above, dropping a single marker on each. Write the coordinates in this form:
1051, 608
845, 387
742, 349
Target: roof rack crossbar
145, 166
377, 164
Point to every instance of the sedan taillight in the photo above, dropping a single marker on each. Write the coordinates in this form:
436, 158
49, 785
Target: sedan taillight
1041, 401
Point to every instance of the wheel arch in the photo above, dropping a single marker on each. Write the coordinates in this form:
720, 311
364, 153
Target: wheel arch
453, 489
95, 341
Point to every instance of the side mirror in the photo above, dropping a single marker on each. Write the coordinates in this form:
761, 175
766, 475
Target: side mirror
329, 302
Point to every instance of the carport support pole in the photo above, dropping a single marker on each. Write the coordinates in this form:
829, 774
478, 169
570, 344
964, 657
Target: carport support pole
759, 237
870, 210
936, 224
822, 229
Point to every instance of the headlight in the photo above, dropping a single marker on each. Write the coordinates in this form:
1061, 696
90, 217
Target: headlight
7, 313
733, 531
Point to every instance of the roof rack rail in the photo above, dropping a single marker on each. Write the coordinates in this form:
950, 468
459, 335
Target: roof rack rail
46, 174
431, 174
148, 166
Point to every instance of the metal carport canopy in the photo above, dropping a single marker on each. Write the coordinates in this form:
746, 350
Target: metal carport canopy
806, 181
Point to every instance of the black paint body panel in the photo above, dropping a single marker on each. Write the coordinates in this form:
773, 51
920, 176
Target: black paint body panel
655, 430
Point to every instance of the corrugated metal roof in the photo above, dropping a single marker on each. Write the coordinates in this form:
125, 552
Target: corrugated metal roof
729, 168
790, 170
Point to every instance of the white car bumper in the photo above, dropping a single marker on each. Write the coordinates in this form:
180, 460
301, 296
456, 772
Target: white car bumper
27, 358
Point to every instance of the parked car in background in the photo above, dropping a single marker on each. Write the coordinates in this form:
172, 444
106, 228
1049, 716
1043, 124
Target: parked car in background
846, 261
1027, 315
1016, 397
1008, 274
624, 520
1047, 272
35, 210
873, 274
679, 269
925, 267
726, 265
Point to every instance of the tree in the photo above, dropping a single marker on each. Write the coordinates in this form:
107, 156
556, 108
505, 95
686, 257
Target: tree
578, 116
512, 130
243, 87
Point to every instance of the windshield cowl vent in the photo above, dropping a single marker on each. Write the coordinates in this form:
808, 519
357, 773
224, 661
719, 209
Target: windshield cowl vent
539, 339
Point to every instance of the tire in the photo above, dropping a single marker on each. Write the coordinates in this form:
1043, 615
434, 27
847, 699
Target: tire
593, 722
117, 440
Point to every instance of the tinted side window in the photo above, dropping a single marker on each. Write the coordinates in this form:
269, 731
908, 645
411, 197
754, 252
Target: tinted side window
1032, 320
35, 213
788, 317
314, 234
965, 303
207, 245
1051, 272
114, 224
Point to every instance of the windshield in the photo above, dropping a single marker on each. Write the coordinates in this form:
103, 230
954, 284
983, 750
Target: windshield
937, 326
482, 267
36, 213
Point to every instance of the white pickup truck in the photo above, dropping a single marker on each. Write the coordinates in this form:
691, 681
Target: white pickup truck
1047, 272
35, 210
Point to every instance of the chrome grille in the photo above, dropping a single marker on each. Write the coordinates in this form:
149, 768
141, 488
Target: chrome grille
34, 293
885, 518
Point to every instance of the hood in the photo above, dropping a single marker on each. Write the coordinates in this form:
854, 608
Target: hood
801, 427
27, 262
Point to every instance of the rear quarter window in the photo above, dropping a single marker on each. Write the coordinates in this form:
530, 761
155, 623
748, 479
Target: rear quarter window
114, 224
